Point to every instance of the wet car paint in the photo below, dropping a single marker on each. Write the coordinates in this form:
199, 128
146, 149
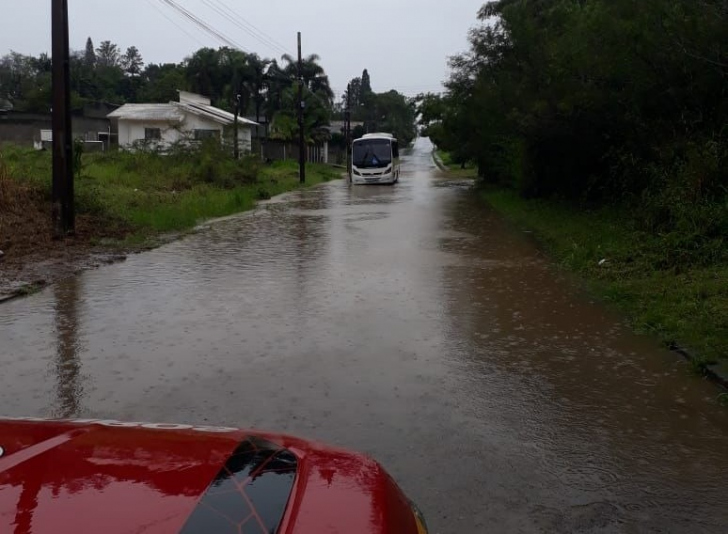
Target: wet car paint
117, 479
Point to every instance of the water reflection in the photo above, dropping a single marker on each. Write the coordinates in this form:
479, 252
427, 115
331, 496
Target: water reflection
28, 502
69, 387
597, 410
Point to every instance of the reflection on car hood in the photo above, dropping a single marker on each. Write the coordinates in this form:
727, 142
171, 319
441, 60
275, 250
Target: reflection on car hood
120, 478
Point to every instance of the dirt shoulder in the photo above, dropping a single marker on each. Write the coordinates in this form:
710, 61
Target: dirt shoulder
31, 258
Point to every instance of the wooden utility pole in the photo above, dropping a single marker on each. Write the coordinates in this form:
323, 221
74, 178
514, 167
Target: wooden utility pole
347, 131
301, 104
62, 194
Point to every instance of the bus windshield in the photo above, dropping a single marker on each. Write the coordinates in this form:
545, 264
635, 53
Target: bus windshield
372, 153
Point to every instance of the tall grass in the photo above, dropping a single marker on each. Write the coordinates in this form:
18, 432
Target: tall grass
149, 192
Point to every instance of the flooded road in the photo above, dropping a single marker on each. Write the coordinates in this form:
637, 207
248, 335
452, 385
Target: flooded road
409, 322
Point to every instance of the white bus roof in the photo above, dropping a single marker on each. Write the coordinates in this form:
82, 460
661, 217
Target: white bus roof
378, 136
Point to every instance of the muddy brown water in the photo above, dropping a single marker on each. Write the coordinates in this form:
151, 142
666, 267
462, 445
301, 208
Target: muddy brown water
409, 322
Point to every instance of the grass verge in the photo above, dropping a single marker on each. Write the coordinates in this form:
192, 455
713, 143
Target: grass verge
685, 307
130, 199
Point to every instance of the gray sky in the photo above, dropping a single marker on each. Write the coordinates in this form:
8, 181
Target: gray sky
403, 43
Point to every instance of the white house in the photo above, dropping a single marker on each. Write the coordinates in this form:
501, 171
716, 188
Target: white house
191, 119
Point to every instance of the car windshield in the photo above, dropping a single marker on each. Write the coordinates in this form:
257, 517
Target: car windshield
372, 153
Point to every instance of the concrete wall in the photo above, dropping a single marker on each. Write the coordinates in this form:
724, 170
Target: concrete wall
131, 132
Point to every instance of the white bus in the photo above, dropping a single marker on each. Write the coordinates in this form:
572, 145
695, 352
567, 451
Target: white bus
375, 159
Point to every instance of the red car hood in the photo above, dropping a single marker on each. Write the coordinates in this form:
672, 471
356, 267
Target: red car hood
124, 478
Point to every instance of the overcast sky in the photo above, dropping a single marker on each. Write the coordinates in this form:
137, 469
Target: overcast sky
404, 43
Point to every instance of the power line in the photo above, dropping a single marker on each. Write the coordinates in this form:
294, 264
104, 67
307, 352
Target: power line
231, 18
171, 20
204, 25
270, 38
226, 12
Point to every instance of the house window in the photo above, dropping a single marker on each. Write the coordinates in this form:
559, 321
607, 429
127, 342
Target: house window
152, 134
202, 135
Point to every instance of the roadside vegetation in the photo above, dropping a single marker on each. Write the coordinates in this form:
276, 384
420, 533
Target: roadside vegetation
445, 161
626, 266
267, 87
124, 198
601, 125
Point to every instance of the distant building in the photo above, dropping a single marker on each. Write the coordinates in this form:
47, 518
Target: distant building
192, 119
339, 127
34, 129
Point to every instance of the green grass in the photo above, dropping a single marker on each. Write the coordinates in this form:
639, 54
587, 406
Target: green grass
179, 204
149, 194
626, 267
456, 169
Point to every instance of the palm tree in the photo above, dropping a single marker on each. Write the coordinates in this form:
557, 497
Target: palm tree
257, 70
276, 82
314, 76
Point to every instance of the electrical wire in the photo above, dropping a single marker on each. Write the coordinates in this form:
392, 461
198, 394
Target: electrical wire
282, 47
241, 23
171, 20
204, 25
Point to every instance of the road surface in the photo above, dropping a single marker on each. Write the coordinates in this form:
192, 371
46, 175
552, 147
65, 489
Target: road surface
409, 322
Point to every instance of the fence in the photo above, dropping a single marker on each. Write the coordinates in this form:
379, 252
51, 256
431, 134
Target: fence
280, 150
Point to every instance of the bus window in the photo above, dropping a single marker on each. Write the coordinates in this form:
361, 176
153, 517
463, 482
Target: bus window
395, 149
372, 153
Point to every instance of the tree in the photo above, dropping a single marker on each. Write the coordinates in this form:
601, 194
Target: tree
313, 74
90, 54
394, 113
132, 62
257, 82
276, 82
107, 55
430, 108
354, 99
316, 117
204, 74
604, 101
25, 82
161, 83
366, 87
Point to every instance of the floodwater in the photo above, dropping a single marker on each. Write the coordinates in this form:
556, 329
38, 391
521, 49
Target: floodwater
409, 322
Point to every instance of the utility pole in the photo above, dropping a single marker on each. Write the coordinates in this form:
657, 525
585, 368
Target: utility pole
236, 148
62, 194
347, 131
301, 104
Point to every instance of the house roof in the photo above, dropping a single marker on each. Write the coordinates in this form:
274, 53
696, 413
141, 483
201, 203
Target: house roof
213, 113
148, 112
174, 112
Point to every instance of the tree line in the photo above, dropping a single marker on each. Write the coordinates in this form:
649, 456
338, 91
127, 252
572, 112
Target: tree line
596, 101
390, 111
264, 88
